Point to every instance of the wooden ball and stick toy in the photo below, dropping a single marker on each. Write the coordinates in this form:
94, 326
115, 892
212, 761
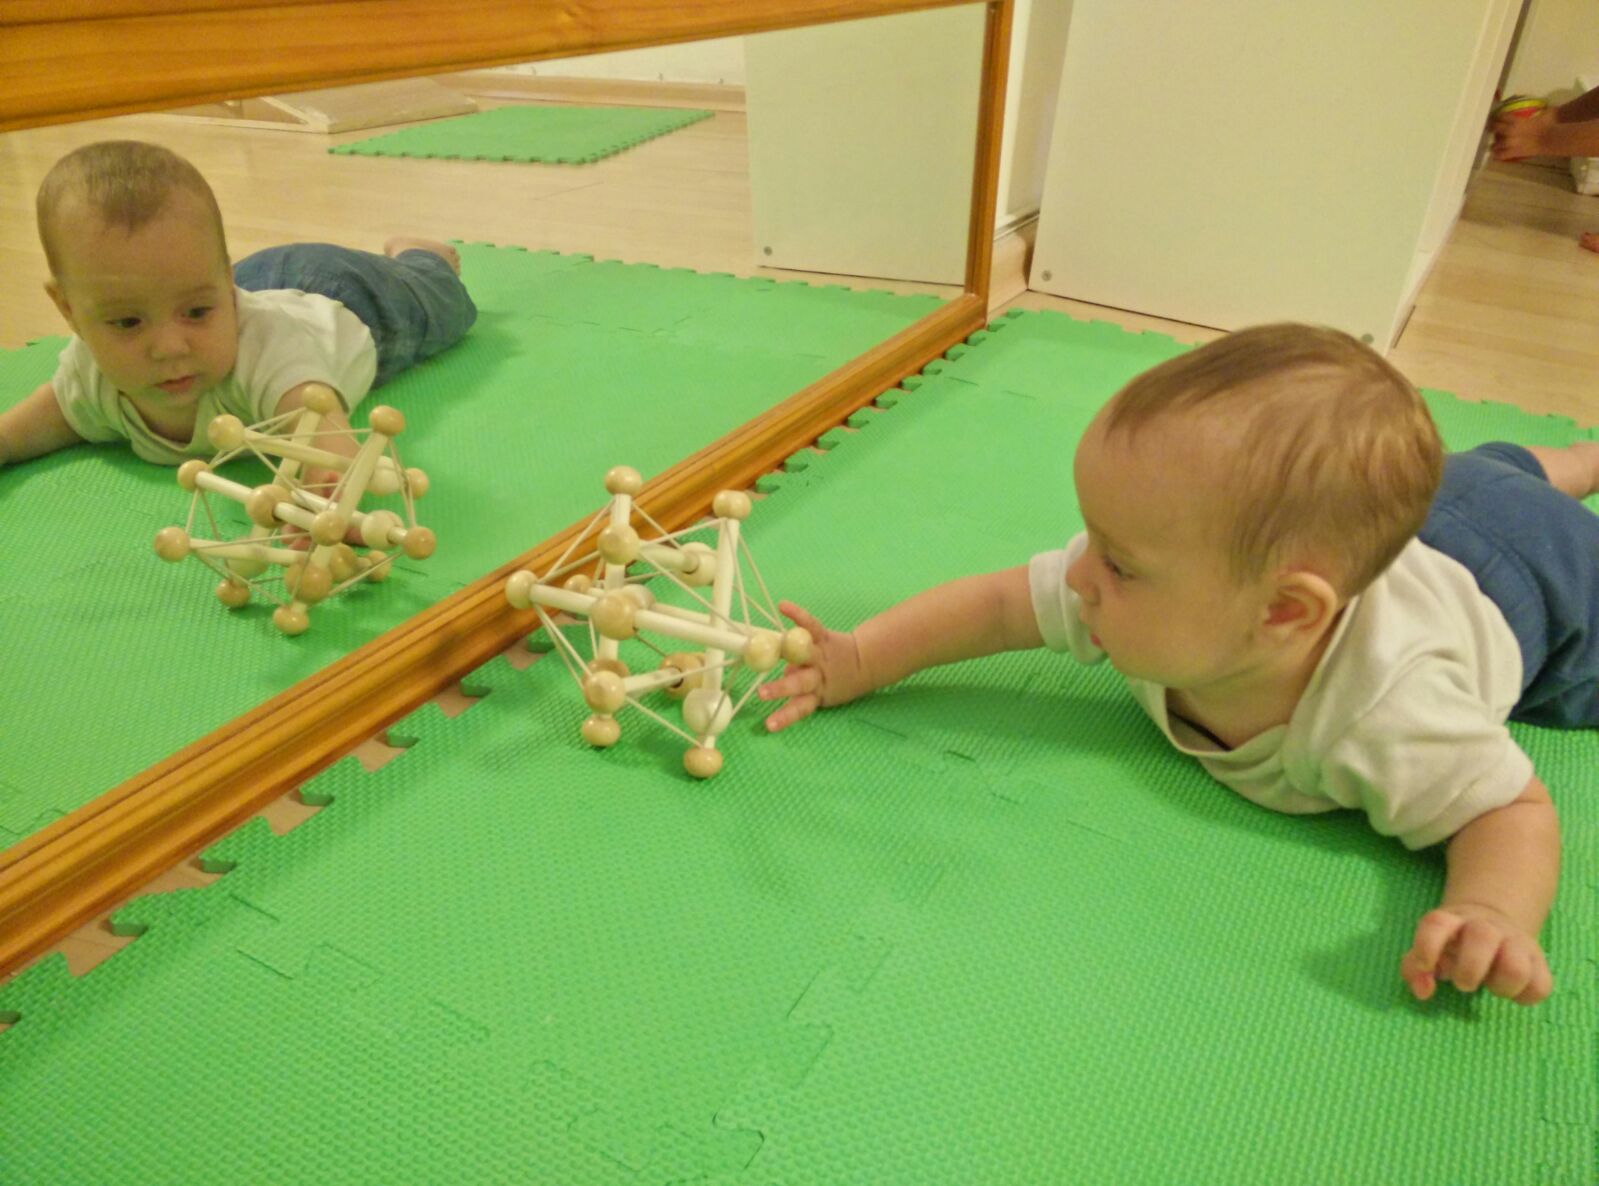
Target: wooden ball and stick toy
296, 551
621, 590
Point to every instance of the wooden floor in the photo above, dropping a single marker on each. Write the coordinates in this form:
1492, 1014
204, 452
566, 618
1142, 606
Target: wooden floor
1510, 313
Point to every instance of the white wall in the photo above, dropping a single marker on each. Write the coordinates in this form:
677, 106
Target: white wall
1038, 47
862, 138
1235, 162
1559, 42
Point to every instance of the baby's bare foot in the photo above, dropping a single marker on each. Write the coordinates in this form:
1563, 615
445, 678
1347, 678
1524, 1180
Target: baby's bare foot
1590, 240
408, 243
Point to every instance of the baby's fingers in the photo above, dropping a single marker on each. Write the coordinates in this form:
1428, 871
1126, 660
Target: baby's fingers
802, 617
1419, 966
797, 709
794, 681
1520, 973
1476, 950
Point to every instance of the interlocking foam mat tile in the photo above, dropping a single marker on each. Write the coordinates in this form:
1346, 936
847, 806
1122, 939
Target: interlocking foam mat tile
558, 134
984, 927
111, 660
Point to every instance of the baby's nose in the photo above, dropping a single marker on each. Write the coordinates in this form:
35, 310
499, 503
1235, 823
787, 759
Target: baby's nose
1077, 582
169, 341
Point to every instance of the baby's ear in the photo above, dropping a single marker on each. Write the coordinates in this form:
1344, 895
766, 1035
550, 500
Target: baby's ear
53, 288
1302, 602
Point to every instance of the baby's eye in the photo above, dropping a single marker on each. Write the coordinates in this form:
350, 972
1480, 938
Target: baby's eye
199, 313
124, 323
1114, 569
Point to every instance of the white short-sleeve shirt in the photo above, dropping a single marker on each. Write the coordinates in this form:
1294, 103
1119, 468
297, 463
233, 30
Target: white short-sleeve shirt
1403, 718
286, 338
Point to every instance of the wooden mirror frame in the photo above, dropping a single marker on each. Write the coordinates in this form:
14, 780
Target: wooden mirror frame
66, 60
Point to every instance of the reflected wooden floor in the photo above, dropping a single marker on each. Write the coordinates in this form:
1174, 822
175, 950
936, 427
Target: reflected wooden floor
1511, 312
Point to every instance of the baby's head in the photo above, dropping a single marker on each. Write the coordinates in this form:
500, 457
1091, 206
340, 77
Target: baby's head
1245, 491
139, 267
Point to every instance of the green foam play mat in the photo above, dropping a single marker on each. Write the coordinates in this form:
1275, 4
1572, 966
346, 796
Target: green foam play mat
557, 135
112, 659
985, 927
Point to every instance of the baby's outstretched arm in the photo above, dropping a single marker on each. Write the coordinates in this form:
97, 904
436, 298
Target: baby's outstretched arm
966, 618
334, 436
34, 427
1503, 867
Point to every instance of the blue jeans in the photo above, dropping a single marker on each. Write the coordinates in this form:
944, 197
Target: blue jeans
414, 303
1535, 553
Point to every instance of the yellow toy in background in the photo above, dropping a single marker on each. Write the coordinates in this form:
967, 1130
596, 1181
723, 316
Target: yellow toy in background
1518, 106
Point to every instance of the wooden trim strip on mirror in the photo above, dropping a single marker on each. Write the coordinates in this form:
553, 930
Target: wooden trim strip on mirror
83, 59
82, 865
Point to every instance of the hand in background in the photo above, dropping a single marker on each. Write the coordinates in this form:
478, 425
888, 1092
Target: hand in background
1516, 137
834, 675
1476, 947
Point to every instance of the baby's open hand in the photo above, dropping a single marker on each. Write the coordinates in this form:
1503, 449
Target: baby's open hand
1475, 947
833, 676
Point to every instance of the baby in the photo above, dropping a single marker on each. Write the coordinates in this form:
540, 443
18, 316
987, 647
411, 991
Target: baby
166, 335
1309, 598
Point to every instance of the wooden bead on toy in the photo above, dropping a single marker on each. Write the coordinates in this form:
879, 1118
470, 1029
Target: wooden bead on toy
578, 582
618, 543
328, 528
383, 480
731, 504
419, 543
225, 432
190, 471
248, 569
172, 543
290, 620
416, 482
623, 479
387, 421
519, 589
702, 761
707, 710
699, 565
262, 504
601, 731
233, 594
378, 568
797, 645
604, 692
615, 666
762, 651
641, 595
613, 615
691, 664
375, 528
320, 398
310, 583
343, 562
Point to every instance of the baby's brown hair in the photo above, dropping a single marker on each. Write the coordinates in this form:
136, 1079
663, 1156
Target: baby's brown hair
125, 183
1329, 453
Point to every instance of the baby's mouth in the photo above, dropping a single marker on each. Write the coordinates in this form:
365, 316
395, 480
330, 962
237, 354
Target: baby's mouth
180, 386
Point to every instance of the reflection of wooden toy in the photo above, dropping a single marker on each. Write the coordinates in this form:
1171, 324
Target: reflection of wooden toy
620, 607
285, 511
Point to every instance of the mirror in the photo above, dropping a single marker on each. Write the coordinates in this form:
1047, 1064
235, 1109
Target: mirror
757, 234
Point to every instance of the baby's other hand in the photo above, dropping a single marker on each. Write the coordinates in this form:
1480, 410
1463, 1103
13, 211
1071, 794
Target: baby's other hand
1475, 947
834, 674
